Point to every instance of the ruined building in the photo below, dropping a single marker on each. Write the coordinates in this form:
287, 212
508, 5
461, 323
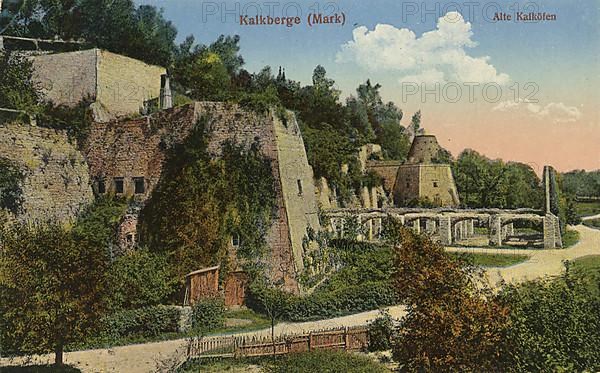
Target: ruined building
124, 153
117, 85
421, 179
126, 157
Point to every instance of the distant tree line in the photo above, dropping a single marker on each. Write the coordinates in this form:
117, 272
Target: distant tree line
581, 183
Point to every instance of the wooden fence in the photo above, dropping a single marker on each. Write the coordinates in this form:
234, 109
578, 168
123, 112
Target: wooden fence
351, 339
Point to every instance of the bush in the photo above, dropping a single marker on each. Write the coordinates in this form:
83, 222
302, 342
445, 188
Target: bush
381, 332
208, 314
554, 324
141, 322
139, 279
362, 283
331, 303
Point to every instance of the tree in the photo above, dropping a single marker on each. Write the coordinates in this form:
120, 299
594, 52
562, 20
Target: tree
272, 300
204, 75
52, 291
228, 48
115, 25
554, 323
453, 321
415, 122
17, 88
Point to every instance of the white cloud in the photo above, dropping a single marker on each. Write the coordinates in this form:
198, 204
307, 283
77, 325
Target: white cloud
557, 112
436, 56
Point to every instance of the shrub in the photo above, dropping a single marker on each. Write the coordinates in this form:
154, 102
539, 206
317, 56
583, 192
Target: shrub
141, 322
381, 332
208, 314
11, 194
362, 283
554, 324
331, 303
139, 279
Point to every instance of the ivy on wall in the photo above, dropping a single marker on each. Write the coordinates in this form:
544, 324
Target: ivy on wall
200, 203
11, 194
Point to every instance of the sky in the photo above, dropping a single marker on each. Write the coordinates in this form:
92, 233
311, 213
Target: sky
518, 90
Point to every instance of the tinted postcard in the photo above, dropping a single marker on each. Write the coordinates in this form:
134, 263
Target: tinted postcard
299, 186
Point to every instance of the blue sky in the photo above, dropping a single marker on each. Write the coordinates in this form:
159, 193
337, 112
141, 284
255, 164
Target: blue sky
518, 48
381, 37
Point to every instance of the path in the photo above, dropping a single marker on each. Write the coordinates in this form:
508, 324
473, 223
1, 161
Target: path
162, 356
541, 262
592, 217
155, 357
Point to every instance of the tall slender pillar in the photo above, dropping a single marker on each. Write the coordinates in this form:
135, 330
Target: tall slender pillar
470, 228
495, 230
417, 225
445, 230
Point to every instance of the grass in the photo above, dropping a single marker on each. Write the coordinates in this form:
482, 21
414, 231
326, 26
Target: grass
589, 268
319, 361
587, 208
570, 238
258, 321
491, 260
217, 365
39, 369
589, 264
593, 223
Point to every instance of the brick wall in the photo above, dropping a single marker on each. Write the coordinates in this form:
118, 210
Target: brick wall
130, 149
56, 184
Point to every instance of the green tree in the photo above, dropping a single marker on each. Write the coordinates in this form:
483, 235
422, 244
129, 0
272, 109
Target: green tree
272, 300
17, 88
98, 223
204, 75
415, 122
52, 291
554, 324
116, 25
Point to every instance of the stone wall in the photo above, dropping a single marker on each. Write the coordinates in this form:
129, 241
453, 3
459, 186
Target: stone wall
135, 149
119, 85
56, 184
125, 83
388, 170
297, 182
406, 188
67, 78
432, 181
423, 149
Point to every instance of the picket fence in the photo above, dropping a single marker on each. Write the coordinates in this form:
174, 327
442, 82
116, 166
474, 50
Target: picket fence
350, 339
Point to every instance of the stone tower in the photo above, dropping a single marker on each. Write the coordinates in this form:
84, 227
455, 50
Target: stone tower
422, 181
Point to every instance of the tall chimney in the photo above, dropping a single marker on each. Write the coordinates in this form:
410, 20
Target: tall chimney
166, 100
